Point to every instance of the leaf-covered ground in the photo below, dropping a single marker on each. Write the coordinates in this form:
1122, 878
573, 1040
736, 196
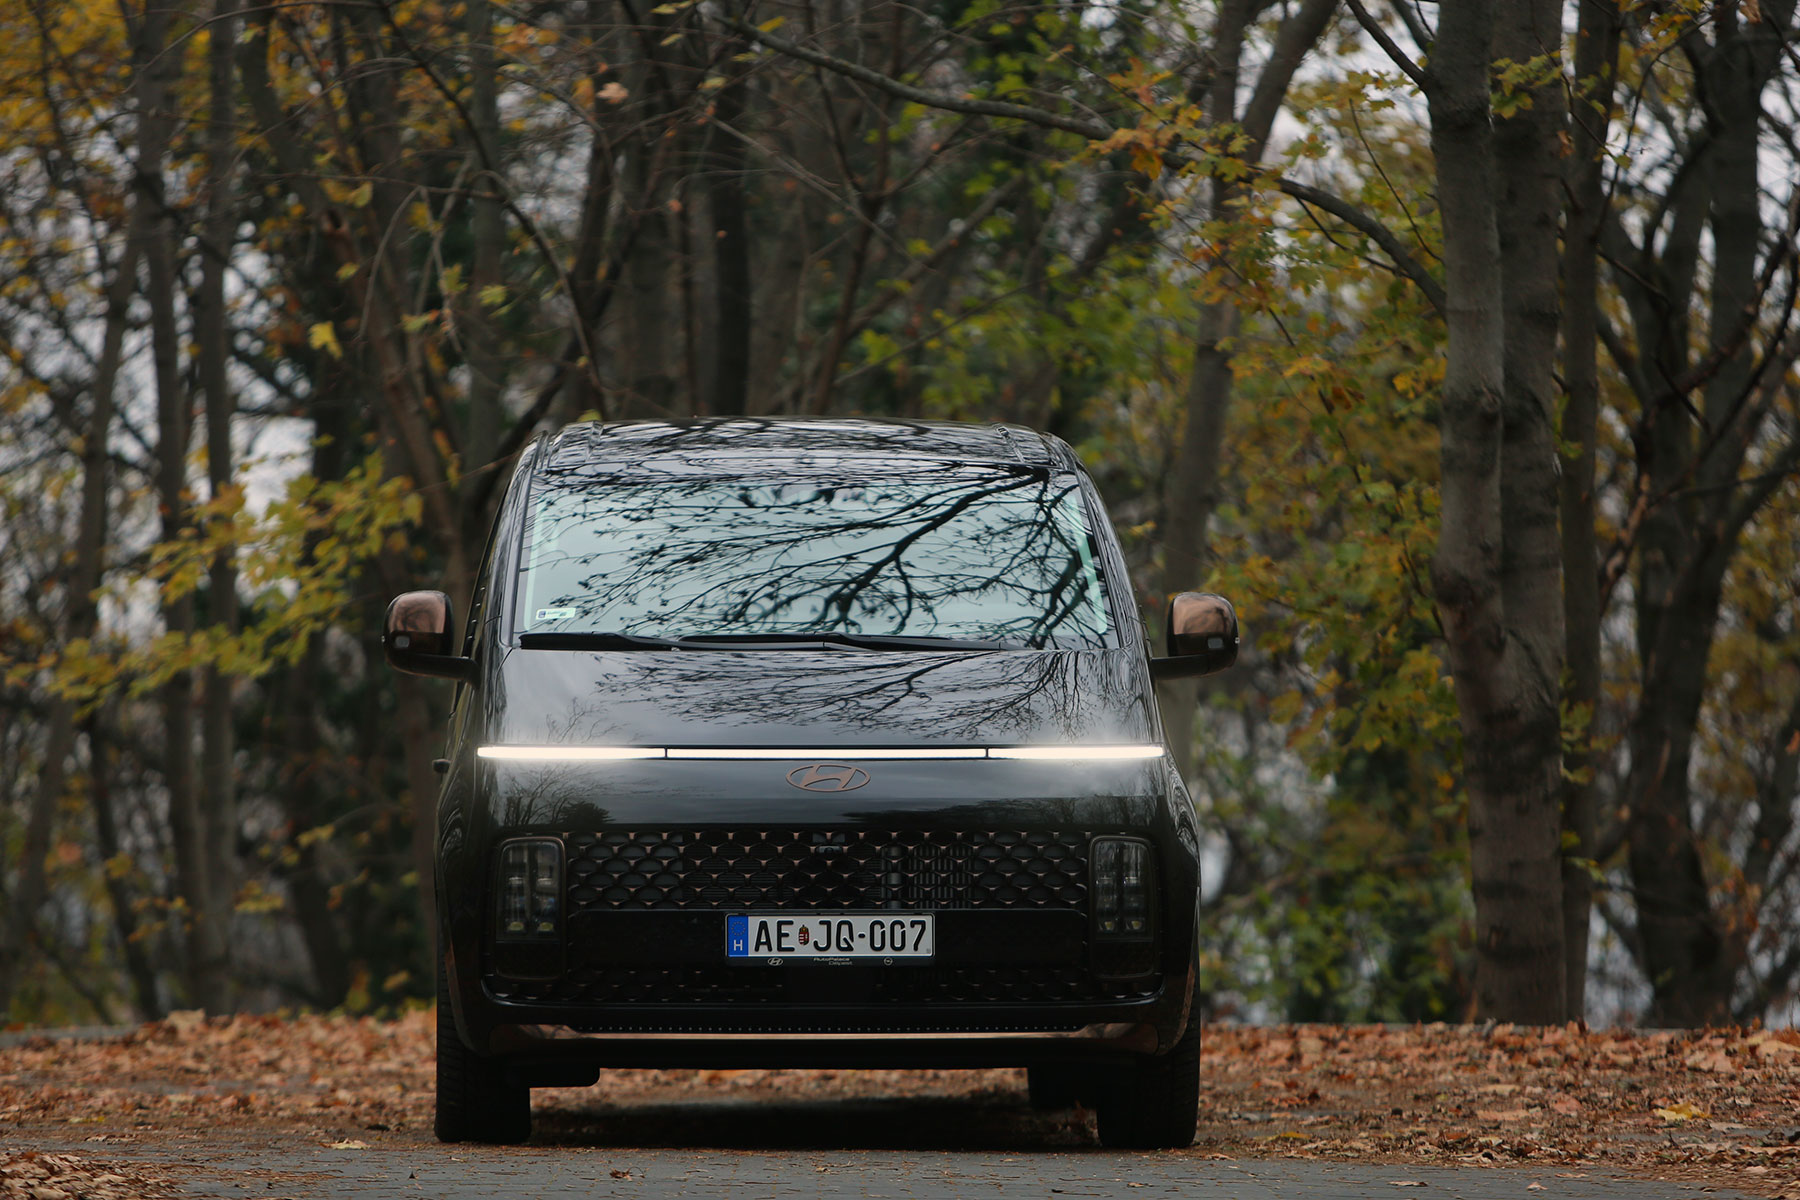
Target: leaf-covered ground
1720, 1108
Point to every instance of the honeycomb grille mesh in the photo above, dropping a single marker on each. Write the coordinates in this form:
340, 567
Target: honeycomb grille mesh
814, 868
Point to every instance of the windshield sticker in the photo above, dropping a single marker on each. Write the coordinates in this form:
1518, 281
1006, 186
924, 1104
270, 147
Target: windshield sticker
553, 614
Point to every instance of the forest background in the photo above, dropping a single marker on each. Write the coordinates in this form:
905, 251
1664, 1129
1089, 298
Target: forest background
1455, 343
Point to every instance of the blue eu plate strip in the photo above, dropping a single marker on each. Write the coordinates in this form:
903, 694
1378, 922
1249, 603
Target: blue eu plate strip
737, 937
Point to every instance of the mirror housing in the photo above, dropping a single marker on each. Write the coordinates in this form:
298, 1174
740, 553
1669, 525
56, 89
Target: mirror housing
416, 637
1202, 636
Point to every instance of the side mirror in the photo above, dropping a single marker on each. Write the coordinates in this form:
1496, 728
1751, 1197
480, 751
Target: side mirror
1202, 636
416, 637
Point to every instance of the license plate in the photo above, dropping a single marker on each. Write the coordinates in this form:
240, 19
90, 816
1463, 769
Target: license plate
837, 937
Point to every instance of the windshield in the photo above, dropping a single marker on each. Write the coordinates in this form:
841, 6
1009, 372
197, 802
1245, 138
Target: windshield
950, 553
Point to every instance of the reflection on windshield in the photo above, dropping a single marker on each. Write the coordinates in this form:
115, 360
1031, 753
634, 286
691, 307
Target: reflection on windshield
944, 552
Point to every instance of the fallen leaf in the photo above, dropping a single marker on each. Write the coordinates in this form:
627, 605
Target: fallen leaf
350, 1144
1676, 1113
186, 1020
1567, 1105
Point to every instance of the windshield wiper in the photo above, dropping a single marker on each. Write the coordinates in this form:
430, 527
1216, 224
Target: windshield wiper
578, 640
583, 640
858, 641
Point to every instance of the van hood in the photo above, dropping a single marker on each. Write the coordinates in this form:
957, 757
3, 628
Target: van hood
816, 698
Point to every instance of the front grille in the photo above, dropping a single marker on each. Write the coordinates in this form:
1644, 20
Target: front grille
814, 868
1005, 985
738, 985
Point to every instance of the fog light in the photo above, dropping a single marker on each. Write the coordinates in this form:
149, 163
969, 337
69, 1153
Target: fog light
530, 893
1123, 881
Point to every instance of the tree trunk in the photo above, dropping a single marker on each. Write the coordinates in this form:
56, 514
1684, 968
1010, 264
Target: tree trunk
488, 234
83, 615
1193, 488
1529, 163
1688, 953
1596, 55
213, 333
1685, 952
729, 371
106, 837
314, 912
1192, 492
152, 87
416, 727
1193, 495
1506, 675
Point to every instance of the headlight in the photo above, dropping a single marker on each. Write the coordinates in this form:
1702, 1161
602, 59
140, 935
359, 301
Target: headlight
1123, 884
530, 891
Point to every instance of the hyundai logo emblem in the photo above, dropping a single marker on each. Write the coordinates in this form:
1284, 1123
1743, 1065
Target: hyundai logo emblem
828, 777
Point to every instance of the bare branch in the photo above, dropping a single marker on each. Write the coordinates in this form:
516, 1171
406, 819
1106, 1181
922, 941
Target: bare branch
1388, 45
1375, 231
1093, 131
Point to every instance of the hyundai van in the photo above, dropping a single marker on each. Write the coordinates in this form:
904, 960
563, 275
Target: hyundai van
811, 743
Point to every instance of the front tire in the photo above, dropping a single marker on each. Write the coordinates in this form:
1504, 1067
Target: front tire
1155, 1105
1054, 1087
476, 1102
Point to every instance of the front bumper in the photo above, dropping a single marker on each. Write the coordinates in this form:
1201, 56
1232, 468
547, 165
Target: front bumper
1019, 976
1093, 1043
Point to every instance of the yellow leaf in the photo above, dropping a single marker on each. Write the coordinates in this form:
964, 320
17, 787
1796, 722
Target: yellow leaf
1684, 1111
324, 337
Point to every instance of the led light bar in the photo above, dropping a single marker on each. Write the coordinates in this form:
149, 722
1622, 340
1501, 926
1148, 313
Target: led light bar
568, 753
1113, 753
1077, 753
832, 753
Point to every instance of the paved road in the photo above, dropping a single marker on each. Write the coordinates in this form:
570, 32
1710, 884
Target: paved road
904, 1175
882, 1150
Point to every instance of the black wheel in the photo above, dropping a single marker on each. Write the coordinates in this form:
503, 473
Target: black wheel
475, 1100
1154, 1105
1054, 1087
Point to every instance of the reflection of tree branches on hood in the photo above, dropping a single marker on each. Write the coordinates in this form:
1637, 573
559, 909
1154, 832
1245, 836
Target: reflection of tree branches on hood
972, 697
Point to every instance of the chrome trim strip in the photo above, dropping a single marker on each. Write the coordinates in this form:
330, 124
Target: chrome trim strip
1110, 1031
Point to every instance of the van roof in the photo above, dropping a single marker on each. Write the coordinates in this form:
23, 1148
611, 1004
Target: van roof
624, 442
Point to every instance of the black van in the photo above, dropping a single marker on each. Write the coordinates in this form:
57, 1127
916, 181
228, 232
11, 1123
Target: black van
811, 743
